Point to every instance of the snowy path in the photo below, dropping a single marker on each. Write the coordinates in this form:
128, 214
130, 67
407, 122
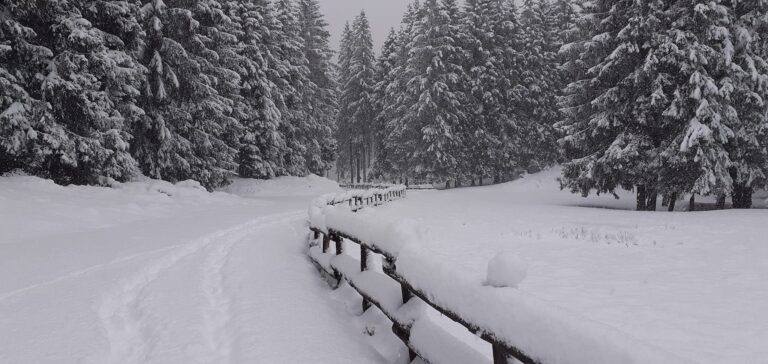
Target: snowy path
207, 286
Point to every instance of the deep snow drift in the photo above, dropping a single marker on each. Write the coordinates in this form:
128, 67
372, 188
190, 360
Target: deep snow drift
689, 284
151, 272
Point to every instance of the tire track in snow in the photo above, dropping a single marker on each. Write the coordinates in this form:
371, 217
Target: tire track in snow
81, 272
127, 324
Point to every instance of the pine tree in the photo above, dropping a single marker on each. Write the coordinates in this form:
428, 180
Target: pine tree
490, 135
259, 108
433, 95
29, 137
615, 129
357, 103
382, 166
749, 71
184, 130
295, 78
321, 97
94, 145
396, 143
539, 84
700, 102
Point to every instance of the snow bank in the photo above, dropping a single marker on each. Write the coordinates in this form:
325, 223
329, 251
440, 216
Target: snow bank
545, 332
539, 329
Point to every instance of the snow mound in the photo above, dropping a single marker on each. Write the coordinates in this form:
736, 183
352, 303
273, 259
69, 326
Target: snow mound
506, 270
311, 185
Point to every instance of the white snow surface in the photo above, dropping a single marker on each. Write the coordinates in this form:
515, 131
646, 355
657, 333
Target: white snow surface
506, 269
604, 284
151, 272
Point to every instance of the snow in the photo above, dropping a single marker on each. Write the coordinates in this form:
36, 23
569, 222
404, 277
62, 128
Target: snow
630, 286
152, 272
506, 269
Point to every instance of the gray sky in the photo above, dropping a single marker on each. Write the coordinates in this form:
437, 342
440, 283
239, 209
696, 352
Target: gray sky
383, 15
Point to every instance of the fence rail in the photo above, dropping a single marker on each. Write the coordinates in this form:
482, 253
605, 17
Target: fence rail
342, 269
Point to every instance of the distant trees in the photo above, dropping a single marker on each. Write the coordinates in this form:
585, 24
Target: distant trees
452, 89
174, 90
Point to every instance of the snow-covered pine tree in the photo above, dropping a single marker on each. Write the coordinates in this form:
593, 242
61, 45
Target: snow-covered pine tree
357, 102
433, 96
614, 129
749, 71
321, 97
295, 78
29, 137
382, 166
396, 143
76, 85
345, 158
539, 84
701, 107
361, 85
489, 135
182, 134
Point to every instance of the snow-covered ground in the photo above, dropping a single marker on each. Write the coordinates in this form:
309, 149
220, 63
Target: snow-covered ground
689, 284
149, 272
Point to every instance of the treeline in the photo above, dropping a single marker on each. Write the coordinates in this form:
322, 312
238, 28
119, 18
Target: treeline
456, 94
95, 89
666, 98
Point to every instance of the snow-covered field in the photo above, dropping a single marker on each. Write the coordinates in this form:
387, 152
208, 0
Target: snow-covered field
689, 284
149, 272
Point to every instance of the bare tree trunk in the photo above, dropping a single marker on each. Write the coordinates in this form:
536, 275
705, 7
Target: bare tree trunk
720, 202
651, 199
365, 164
692, 203
742, 196
358, 168
641, 198
351, 165
672, 202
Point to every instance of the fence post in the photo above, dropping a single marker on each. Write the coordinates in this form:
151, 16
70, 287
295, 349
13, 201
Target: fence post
326, 242
339, 250
364, 267
499, 355
339, 244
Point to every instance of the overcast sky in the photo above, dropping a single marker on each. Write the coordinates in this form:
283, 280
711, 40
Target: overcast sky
383, 15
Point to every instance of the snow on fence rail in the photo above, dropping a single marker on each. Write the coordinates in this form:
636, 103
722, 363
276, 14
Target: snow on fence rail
516, 325
367, 186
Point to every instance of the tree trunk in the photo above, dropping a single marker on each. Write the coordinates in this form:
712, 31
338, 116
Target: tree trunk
358, 169
672, 202
742, 196
720, 202
651, 199
641, 198
351, 165
447, 184
692, 203
481, 181
665, 200
365, 164
473, 183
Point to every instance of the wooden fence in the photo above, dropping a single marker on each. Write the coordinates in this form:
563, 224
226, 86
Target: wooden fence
502, 351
